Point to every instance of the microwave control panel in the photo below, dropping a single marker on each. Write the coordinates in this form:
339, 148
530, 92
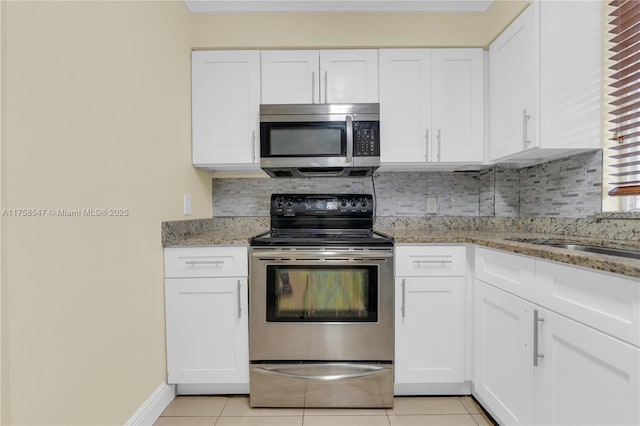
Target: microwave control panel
366, 138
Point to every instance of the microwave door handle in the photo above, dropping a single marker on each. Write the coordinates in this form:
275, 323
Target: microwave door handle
349, 120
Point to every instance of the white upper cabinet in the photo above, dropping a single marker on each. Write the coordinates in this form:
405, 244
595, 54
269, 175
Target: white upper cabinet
324, 76
457, 116
349, 76
513, 87
545, 77
225, 108
405, 105
431, 106
290, 77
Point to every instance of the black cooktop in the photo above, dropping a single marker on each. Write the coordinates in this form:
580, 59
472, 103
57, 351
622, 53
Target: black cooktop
373, 238
322, 219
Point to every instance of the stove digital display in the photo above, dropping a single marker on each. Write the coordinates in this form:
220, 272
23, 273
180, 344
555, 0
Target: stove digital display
321, 204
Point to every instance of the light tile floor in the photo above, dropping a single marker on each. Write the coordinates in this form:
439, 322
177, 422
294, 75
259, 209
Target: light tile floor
406, 411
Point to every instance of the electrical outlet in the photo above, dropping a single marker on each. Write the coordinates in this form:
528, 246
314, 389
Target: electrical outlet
432, 205
187, 204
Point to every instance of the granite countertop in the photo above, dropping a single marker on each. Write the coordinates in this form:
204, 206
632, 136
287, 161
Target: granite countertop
210, 232
238, 231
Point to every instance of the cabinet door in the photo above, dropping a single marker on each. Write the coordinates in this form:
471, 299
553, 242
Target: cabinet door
457, 105
586, 377
513, 85
349, 76
225, 107
207, 330
503, 373
405, 105
290, 77
429, 329
571, 57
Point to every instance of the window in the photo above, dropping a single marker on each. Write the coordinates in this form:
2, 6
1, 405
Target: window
624, 93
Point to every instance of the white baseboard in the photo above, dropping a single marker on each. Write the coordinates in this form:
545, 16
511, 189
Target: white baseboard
213, 389
463, 388
486, 407
151, 409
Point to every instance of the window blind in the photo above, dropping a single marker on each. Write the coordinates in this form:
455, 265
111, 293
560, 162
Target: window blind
624, 47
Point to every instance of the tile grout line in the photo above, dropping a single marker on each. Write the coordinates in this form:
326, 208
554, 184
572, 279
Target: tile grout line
226, 400
469, 412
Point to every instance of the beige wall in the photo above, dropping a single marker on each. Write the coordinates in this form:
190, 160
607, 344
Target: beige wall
97, 99
352, 30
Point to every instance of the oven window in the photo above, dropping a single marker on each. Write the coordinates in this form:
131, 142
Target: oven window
318, 293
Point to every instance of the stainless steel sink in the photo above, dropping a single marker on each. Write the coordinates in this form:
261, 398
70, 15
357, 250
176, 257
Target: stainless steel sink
599, 250
610, 251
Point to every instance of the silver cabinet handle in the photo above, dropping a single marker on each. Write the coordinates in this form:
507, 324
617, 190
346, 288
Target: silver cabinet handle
253, 144
536, 321
313, 87
419, 262
525, 137
204, 262
326, 86
239, 300
426, 138
403, 297
439, 143
349, 120
358, 371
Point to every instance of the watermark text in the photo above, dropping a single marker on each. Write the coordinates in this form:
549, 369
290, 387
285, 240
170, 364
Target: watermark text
62, 212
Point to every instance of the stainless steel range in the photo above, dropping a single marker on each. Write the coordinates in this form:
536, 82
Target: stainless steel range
321, 305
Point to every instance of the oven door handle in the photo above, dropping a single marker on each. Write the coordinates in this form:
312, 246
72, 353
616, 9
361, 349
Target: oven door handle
327, 255
360, 371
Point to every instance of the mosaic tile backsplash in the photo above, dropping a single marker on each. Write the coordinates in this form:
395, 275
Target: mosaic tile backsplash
564, 188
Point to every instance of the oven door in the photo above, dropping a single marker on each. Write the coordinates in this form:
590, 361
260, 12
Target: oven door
321, 305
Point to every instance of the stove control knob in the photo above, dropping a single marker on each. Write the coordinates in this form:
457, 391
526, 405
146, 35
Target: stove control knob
343, 203
353, 203
363, 202
279, 202
289, 202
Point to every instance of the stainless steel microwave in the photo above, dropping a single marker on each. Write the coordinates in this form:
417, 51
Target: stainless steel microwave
320, 140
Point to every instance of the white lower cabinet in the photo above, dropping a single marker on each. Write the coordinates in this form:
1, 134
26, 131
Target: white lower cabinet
503, 371
207, 319
430, 319
207, 330
585, 377
430, 330
533, 365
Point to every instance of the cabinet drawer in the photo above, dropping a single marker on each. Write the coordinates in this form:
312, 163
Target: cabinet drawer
220, 261
606, 302
511, 272
430, 261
